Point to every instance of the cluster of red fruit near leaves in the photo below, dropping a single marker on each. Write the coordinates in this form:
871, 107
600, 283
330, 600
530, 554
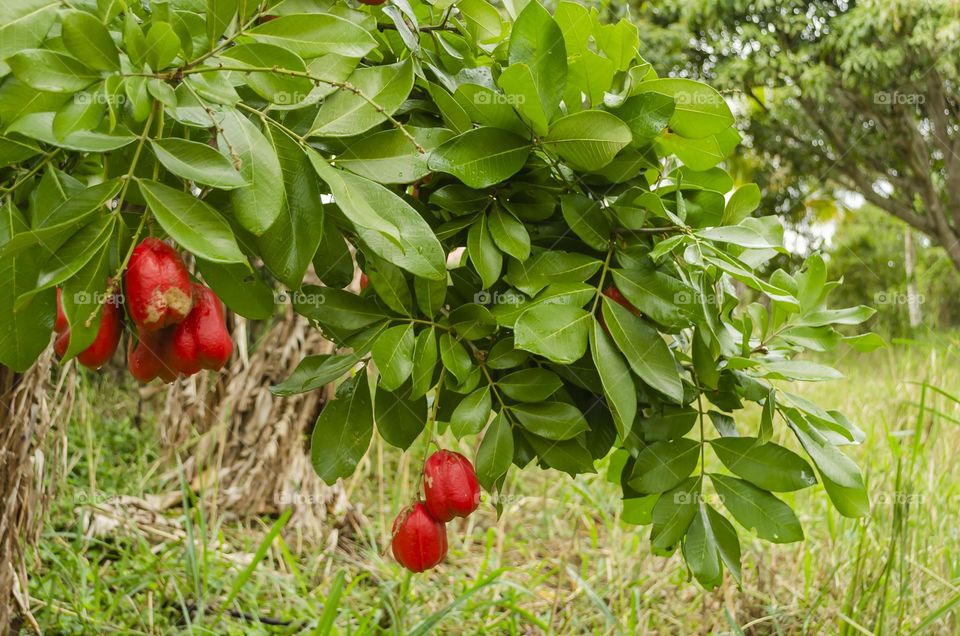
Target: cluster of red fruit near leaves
450, 490
180, 324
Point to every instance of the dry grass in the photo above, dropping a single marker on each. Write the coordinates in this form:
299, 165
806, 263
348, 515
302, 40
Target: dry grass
559, 560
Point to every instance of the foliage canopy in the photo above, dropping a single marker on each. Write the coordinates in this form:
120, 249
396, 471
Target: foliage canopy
495, 174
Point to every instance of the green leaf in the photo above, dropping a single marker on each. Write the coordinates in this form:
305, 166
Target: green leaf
291, 242
192, 223
25, 24
672, 515
197, 162
588, 140
393, 353
389, 156
314, 34
431, 294
537, 41
471, 414
472, 321
284, 84
25, 334
831, 462
743, 236
799, 370
316, 371
87, 39
82, 113
646, 115
530, 385
645, 350
618, 387
455, 357
70, 258
509, 234
700, 110
495, 452
551, 420
84, 296
554, 331
586, 220
336, 309
390, 285
665, 299
758, 510
520, 86
50, 71
424, 362
342, 433
162, 45
378, 92
53, 228
400, 417
220, 14
481, 157
483, 252
257, 205
40, 126
568, 456
377, 214
241, 290
701, 552
665, 465
742, 203
767, 466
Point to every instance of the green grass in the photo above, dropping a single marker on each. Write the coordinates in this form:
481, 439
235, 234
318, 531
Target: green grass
559, 560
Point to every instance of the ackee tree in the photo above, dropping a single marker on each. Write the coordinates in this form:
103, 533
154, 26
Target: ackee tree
548, 234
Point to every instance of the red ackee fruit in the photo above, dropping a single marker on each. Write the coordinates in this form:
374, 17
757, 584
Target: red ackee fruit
201, 341
158, 286
104, 343
61, 324
419, 541
147, 357
450, 485
364, 281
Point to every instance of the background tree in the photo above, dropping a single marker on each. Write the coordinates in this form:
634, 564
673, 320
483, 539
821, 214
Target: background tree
860, 96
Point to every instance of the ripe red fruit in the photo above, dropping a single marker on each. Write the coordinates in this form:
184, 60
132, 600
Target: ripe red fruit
158, 286
201, 341
419, 541
450, 485
147, 358
104, 343
61, 324
364, 281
